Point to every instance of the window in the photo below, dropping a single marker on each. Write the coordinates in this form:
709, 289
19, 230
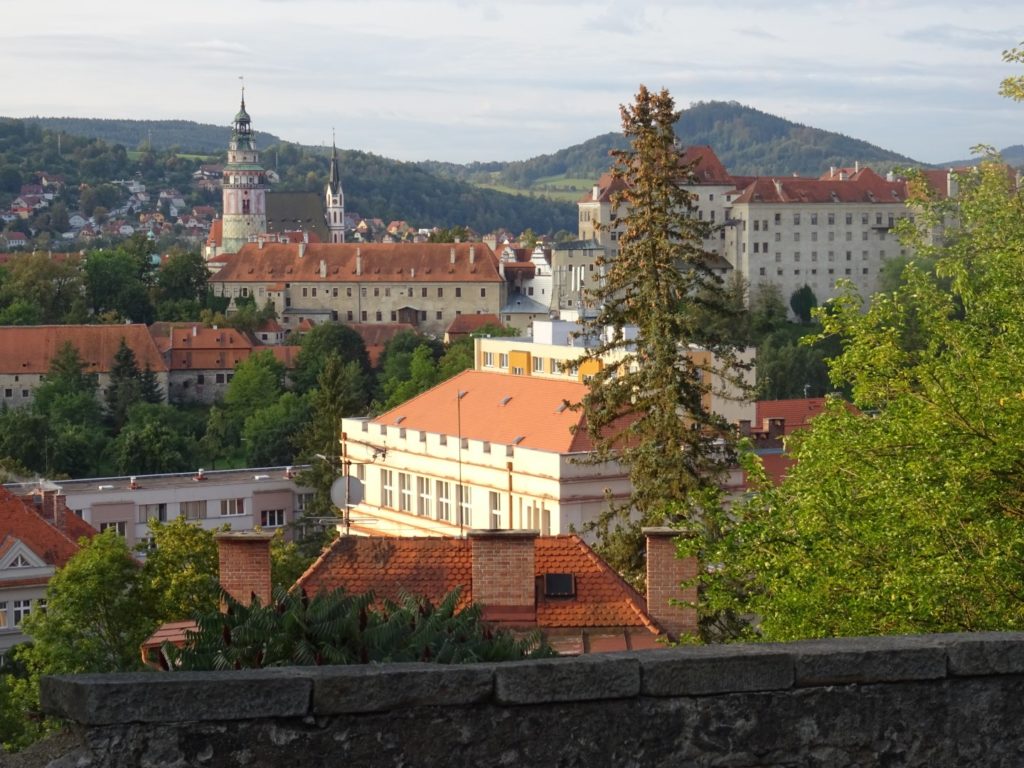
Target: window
762, 271
349, 315
22, 608
362, 315
518, 371
149, 512
440, 292
831, 218
314, 293
796, 237
465, 505
814, 218
538, 365
394, 315
8, 393
200, 378
348, 291
3, 614
380, 315
440, 315
376, 290
458, 293
778, 218
334, 293
483, 293
864, 235
778, 237
387, 498
778, 256
305, 291
444, 505
423, 496
556, 366
303, 500
502, 360
232, 506
796, 219
849, 219
489, 359
193, 510
796, 256
849, 236
814, 237
757, 225
495, 507
120, 527
404, 492
272, 518
864, 219
219, 378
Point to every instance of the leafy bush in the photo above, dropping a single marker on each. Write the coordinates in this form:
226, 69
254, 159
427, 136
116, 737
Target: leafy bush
338, 628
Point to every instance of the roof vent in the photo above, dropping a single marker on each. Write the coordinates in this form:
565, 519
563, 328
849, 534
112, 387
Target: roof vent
104, 487
559, 585
518, 439
506, 400
561, 407
261, 477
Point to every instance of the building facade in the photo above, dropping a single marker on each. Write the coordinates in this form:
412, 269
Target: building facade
245, 186
426, 285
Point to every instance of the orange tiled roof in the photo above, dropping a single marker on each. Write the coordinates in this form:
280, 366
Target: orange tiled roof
797, 412
866, 187
18, 521
30, 348
708, 169
369, 262
463, 324
498, 408
216, 236
432, 567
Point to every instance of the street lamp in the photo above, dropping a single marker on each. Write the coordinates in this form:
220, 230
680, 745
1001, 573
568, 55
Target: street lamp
458, 422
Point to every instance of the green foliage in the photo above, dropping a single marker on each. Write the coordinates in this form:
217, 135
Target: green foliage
270, 434
803, 301
338, 628
1013, 87
902, 516
324, 340
258, 383
395, 363
153, 440
648, 411
37, 289
21, 720
422, 376
287, 561
455, 234
180, 572
97, 614
182, 286
117, 282
124, 389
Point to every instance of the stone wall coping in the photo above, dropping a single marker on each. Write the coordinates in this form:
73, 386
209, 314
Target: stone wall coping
684, 671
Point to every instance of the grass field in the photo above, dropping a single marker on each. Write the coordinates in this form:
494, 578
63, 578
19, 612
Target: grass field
554, 187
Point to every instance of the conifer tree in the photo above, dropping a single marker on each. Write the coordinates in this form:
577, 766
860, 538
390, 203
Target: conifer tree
149, 386
649, 409
124, 389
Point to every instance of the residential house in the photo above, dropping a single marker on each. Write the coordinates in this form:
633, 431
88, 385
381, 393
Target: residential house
37, 536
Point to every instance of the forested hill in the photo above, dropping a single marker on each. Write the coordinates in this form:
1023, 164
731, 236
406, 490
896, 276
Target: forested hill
748, 142
186, 135
1014, 155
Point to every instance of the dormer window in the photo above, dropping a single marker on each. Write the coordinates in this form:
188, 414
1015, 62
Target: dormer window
559, 585
20, 562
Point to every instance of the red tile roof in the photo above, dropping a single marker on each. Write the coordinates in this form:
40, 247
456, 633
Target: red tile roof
30, 348
20, 522
376, 335
498, 408
708, 169
796, 412
370, 262
432, 567
866, 187
464, 324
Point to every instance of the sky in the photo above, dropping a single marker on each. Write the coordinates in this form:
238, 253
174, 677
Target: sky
463, 80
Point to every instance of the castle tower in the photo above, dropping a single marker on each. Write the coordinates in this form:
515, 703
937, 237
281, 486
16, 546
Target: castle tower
245, 187
334, 201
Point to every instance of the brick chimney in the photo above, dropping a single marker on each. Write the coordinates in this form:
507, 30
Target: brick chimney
504, 574
245, 564
776, 428
665, 573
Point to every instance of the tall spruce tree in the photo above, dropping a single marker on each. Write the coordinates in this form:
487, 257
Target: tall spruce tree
649, 409
125, 387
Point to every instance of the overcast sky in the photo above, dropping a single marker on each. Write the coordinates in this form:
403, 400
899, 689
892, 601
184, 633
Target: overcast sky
469, 80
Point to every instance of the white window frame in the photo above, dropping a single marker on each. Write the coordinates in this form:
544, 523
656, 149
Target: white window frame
405, 492
272, 518
444, 501
232, 507
21, 608
423, 504
120, 527
387, 489
494, 506
149, 512
464, 510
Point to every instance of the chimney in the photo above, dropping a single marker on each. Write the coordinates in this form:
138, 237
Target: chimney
831, 171
302, 250
260, 244
323, 268
952, 187
359, 261
856, 166
745, 427
452, 254
665, 573
133, 483
776, 428
244, 558
504, 574
472, 255
595, 193
195, 331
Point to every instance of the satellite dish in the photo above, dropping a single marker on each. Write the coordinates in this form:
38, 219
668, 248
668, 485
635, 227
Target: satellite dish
346, 491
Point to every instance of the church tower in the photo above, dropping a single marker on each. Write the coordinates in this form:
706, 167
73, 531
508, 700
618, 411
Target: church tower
334, 201
245, 187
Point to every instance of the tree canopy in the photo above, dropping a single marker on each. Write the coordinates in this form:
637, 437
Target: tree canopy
903, 511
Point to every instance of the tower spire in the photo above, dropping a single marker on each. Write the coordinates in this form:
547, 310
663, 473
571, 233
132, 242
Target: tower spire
334, 198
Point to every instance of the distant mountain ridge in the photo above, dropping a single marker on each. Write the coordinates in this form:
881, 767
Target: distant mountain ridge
1014, 155
187, 135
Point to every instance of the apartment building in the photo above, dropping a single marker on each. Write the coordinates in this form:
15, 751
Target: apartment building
242, 499
481, 450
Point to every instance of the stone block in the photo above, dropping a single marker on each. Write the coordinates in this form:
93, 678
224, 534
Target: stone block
168, 697
380, 688
710, 669
867, 660
985, 653
583, 678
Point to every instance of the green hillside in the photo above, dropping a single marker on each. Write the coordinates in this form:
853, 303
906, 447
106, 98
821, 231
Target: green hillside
749, 142
186, 135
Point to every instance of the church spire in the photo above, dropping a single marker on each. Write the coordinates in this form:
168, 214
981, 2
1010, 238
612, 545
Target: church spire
334, 198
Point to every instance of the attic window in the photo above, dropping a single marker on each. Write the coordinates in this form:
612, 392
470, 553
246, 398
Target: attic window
400, 419
559, 585
20, 562
506, 400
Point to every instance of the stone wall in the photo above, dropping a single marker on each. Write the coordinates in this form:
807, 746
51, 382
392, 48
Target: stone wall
937, 700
